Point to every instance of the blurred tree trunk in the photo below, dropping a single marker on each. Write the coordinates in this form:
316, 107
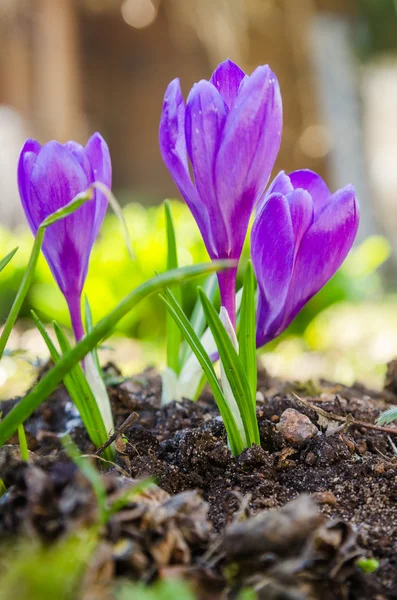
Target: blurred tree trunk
57, 71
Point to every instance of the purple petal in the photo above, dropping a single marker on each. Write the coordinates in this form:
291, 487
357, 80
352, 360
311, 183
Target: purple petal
173, 150
97, 153
322, 251
250, 143
281, 184
314, 184
26, 162
227, 78
205, 119
302, 213
272, 252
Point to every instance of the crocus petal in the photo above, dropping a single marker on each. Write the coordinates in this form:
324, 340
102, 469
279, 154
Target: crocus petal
250, 143
322, 251
97, 153
314, 184
173, 150
227, 78
281, 184
302, 213
205, 119
26, 163
272, 252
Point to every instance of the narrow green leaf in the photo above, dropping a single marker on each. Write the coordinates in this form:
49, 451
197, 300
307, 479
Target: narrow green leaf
100, 420
247, 332
197, 319
53, 378
95, 479
88, 327
81, 397
23, 444
173, 333
28, 276
118, 211
4, 261
233, 370
235, 441
388, 416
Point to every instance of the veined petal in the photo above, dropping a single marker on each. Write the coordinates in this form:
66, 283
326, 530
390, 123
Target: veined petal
173, 150
323, 249
56, 178
302, 213
281, 184
250, 143
272, 252
27, 159
227, 78
314, 184
206, 114
97, 153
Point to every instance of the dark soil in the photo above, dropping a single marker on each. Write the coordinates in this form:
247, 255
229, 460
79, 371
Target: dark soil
340, 477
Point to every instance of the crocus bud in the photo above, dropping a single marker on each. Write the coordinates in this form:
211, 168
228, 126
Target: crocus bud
49, 177
230, 129
301, 235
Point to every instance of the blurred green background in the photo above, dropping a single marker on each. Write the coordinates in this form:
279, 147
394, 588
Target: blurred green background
332, 336
70, 67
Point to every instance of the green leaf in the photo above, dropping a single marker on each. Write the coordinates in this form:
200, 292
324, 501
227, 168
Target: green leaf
4, 261
387, 416
23, 444
88, 469
235, 441
80, 394
247, 332
367, 565
53, 378
99, 416
197, 319
28, 276
234, 371
118, 211
173, 333
88, 327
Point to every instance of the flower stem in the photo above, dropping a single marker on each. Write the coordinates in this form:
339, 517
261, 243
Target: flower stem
227, 288
74, 304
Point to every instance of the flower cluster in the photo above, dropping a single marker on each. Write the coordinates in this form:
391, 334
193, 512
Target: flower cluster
228, 135
230, 129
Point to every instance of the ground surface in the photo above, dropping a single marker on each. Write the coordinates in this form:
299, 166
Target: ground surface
347, 474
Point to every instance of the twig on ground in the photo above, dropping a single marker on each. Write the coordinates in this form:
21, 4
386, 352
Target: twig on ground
130, 420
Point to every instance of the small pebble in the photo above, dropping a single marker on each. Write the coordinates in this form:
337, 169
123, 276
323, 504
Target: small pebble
295, 427
324, 498
311, 459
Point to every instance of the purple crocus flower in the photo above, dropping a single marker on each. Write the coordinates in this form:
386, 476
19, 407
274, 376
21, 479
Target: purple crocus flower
49, 177
301, 235
230, 129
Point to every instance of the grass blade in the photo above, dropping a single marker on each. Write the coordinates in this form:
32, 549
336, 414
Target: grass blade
81, 397
233, 370
235, 441
23, 444
387, 416
247, 332
88, 327
197, 319
174, 337
77, 201
4, 261
118, 211
53, 378
90, 472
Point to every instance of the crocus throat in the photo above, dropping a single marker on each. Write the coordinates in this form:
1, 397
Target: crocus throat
227, 288
74, 305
